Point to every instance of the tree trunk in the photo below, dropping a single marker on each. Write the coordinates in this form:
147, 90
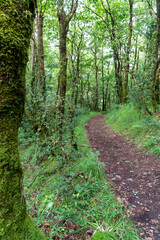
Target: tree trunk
137, 65
156, 62
158, 37
125, 87
96, 76
78, 70
103, 90
118, 76
77, 78
41, 71
88, 90
134, 63
117, 61
81, 92
73, 74
33, 69
64, 20
158, 20
157, 86
63, 64
14, 44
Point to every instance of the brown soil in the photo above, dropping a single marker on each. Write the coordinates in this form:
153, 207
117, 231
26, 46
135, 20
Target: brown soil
134, 172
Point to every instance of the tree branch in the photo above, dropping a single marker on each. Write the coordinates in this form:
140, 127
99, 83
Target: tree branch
72, 5
59, 8
95, 13
73, 10
151, 8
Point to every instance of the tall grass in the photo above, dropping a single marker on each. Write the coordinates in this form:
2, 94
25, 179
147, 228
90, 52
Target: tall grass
130, 121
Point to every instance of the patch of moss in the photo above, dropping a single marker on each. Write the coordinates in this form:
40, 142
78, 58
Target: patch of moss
30, 232
103, 236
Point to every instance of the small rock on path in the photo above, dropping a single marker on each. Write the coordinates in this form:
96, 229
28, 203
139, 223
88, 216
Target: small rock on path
134, 172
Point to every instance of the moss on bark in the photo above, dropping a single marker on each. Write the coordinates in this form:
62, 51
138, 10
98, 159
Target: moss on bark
15, 32
30, 232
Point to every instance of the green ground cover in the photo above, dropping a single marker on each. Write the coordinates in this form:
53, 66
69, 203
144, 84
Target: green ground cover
144, 129
74, 198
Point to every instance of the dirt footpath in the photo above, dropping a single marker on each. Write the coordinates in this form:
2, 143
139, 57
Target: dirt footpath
135, 174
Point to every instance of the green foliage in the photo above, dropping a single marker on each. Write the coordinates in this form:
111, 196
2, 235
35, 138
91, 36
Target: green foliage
75, 197
103, 236
110, 235
131, 121
123, 117
61, 183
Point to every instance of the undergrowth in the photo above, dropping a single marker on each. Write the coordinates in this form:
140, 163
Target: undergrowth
130, 121
69, 199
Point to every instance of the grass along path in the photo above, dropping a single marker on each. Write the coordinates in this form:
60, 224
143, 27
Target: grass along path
70, 202
135, 173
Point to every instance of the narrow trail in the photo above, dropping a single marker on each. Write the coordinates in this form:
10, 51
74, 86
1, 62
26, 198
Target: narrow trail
134, 172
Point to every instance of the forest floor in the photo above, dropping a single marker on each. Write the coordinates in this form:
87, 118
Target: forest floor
134, 172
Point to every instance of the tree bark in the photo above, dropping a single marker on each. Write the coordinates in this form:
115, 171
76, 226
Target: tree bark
33, 69
41, 70
156, 62
63, 63
77, 77
14, 44
117, 61
125, 87
78, 68
64, 20
96, 75
103, 90
157, 86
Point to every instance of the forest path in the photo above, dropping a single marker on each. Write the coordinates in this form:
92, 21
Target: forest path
134, 172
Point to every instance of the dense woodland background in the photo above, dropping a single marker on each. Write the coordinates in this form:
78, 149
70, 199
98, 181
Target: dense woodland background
111, 57
93, 55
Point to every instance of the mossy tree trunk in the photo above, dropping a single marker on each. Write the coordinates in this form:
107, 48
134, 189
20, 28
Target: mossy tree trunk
156, 61
64, 20
16, 20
